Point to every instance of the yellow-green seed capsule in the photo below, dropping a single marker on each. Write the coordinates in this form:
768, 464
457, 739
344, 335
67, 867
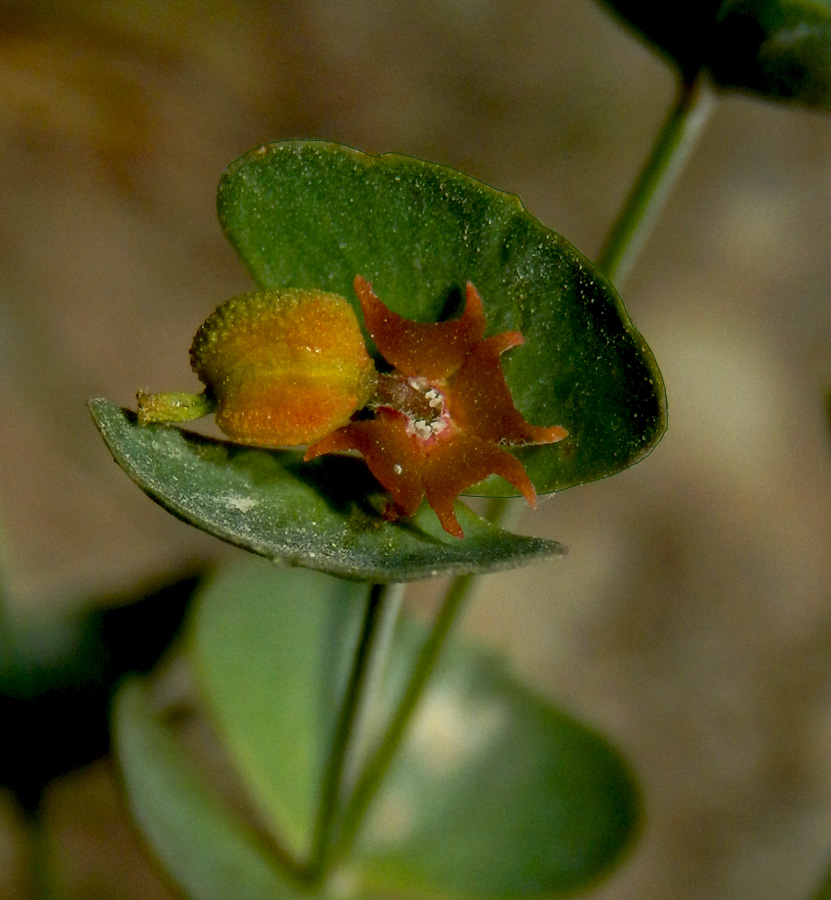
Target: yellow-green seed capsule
284, 367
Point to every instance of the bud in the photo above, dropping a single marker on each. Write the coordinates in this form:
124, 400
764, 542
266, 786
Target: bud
280, 369
285, 367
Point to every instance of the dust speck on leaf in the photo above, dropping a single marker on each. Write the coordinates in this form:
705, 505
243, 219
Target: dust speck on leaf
243, 504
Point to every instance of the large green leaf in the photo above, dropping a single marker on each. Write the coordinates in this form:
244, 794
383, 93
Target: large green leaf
324, 515
777, 48
315, 214
294, 663
495, 793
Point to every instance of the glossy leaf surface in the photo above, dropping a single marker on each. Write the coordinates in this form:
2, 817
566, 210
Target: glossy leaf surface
316, 214
778, 48
495, 793
324, 515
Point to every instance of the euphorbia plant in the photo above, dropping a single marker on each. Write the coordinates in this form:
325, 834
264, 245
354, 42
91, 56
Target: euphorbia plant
501, 361
375, 767
313, 216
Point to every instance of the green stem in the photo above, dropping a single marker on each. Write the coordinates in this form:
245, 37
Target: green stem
504, 512
373, 775
338, 828
670, 152
353, 729
174, 406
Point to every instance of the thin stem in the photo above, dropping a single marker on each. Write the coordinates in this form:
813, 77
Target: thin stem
388, 600
352, 732
177, 406
373, 775
670, 152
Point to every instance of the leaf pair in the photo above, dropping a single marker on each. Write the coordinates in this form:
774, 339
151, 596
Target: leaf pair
494, 793
312, 215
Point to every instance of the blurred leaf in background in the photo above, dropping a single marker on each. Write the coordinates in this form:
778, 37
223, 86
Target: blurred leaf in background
58, 677
779, 49
495, 793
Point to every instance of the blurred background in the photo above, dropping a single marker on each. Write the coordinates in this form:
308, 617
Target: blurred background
691, 622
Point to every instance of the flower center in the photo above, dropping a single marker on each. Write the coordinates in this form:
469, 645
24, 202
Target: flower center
423, 402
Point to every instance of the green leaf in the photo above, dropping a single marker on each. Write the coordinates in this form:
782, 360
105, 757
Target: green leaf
288, 636
324, 515
777, 48
495, 793
312, 214
209, 852
315, 214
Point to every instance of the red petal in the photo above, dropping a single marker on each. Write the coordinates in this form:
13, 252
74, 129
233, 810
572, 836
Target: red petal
430, 349
460, 462
393, 456
480, 399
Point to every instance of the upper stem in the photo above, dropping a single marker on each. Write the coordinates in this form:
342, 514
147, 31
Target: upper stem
379, 763
352, 732
670, 152
378, 766
336, 832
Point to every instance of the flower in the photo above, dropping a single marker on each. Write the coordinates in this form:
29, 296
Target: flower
440, 421
290, 368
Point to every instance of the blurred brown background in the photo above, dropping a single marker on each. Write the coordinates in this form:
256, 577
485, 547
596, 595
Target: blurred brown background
692, 620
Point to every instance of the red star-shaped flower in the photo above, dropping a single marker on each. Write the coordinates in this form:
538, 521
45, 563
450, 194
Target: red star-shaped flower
442, 417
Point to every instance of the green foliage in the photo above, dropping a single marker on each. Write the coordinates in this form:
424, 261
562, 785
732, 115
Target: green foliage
824, 892
777, 48
273, 653
495, 794
315, 214
206, 849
